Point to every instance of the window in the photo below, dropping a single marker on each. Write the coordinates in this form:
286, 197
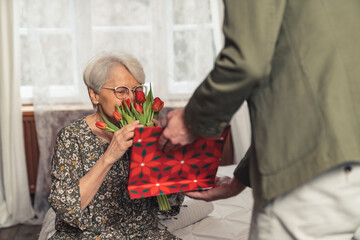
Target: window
175, 40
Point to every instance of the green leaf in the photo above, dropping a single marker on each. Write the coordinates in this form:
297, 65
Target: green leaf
150, 144
159, 176
167, 168
206, 165
126, 107
172, 187
137, 145
155, 134
155, 169
141, 129
141, 175
180, 172
157, 157
112, 126
169, 156
147, 105
156, 115
121, 110
204, 146
133, 191
185, 185
134, 112
132, 183
194, 166
196, 155
128, 118
145, 190
209, 154
149, 113
184, 150
144, 153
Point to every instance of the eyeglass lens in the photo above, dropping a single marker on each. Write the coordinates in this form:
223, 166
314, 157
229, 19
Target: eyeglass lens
122, 92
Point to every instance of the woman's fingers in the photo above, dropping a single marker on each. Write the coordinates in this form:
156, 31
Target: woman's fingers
156, 122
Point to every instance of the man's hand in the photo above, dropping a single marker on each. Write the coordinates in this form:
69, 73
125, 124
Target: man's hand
226, 187
176, 132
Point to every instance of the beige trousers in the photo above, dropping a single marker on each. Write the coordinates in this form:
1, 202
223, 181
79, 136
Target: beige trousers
324, 208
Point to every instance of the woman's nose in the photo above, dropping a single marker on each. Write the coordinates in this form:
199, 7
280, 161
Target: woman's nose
131, 96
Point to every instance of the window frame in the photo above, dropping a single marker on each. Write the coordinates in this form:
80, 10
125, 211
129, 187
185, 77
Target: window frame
168, 86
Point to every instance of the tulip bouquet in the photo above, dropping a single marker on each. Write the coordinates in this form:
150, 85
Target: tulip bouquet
145, 108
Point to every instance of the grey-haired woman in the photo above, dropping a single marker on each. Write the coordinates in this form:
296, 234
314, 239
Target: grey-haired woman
90, 166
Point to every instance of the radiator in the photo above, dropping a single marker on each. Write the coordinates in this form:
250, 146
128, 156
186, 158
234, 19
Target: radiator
31, 149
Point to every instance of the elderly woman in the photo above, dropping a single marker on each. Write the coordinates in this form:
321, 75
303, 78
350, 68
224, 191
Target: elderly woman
90, 166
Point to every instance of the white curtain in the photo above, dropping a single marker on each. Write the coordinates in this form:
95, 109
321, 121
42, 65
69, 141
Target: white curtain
15, 203
241, 132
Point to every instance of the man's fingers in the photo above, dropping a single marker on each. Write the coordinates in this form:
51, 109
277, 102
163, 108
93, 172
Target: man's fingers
162, 142
199, 195
170, 147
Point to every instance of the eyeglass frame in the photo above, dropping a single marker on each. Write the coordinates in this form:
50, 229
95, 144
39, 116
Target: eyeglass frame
133, 90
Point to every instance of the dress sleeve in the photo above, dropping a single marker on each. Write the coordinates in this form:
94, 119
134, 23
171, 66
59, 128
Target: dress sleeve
66, 171
251, 30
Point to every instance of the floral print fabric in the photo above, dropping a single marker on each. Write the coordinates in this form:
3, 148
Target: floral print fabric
111, 214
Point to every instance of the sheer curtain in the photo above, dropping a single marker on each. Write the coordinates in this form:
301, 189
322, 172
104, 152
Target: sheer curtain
241, 132
15, 204
175, 40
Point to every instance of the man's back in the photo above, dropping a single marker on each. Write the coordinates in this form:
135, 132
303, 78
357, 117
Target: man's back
306, 111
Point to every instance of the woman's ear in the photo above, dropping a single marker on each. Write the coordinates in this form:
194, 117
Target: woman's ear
94, 96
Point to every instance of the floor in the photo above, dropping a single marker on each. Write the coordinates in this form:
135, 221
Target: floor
20, 232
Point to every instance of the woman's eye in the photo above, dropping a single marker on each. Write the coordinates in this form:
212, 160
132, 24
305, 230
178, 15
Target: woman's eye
121, 91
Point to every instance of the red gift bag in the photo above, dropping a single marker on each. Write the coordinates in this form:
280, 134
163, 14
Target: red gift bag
153, 172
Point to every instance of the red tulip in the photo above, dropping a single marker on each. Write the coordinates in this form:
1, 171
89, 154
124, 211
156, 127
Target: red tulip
157, 105
127, 102
140, 96
117, 115
139, 108
101, 125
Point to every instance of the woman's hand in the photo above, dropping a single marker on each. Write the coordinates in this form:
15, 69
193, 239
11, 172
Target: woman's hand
120, 142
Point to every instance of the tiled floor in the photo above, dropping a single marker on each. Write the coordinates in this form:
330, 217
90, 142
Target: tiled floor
20, 232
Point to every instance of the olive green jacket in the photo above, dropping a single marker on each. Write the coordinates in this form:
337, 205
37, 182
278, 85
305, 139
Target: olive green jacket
297, 63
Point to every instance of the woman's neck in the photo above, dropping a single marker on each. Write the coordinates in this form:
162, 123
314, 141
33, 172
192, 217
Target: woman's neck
103, 134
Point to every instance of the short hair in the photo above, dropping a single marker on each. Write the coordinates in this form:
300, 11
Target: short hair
98, 69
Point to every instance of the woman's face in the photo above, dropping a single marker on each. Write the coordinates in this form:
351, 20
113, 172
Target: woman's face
119, 76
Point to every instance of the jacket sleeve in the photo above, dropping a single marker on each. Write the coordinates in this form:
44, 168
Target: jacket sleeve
242, 172
65, 175
251, 29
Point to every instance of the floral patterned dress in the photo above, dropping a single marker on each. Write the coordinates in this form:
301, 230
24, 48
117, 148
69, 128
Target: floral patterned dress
111, 214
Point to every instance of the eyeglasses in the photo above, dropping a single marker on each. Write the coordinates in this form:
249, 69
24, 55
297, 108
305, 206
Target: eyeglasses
122, 92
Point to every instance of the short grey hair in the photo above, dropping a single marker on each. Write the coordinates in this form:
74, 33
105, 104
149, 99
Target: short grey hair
98, 69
